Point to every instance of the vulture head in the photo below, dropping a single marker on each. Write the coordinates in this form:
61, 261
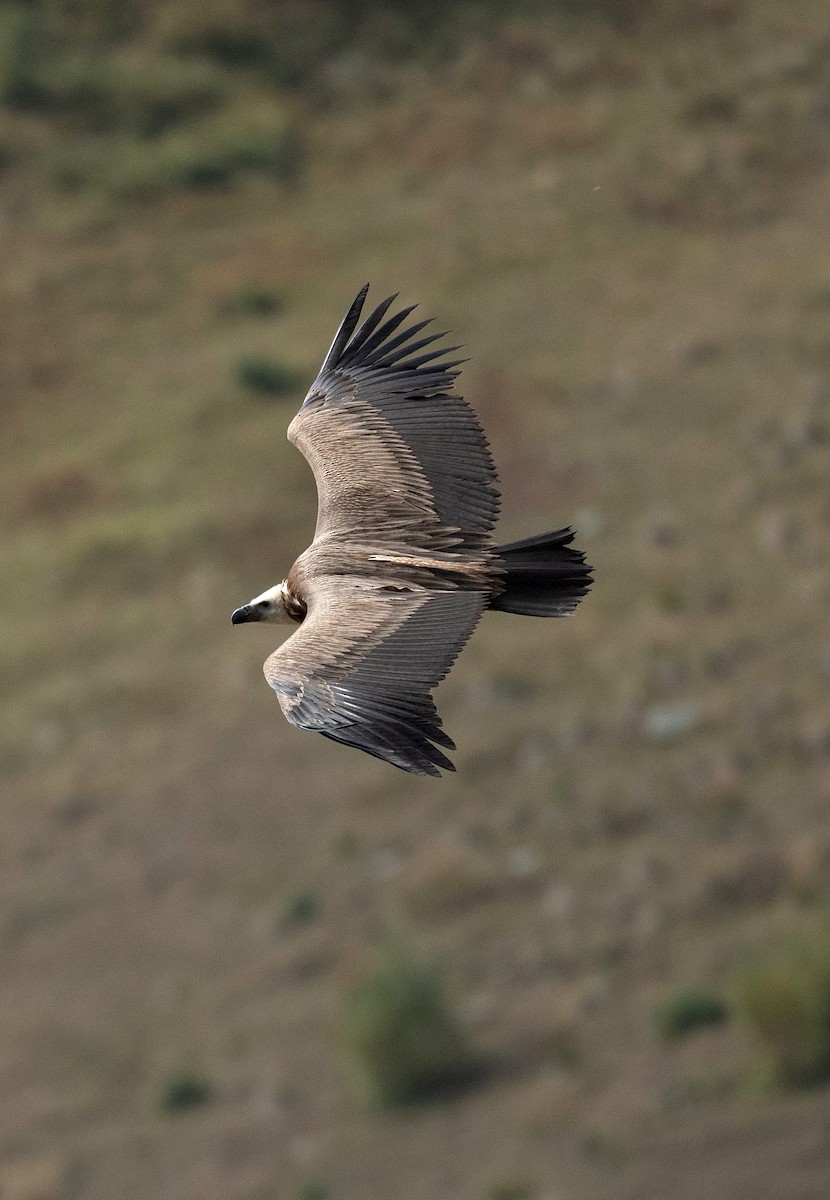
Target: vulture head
270, 606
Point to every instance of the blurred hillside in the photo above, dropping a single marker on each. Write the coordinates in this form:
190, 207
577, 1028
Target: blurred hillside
621, 209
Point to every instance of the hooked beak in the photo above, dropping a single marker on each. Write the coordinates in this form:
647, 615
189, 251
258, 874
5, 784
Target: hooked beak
241, 615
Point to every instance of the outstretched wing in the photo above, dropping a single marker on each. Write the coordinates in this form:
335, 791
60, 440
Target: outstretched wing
361, 667
398, 459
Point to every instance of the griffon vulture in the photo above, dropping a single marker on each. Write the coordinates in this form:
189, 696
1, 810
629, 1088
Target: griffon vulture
403, 562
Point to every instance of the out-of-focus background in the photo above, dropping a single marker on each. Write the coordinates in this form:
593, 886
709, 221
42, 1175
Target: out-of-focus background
238, 962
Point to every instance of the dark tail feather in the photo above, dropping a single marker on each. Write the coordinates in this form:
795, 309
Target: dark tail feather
544, 576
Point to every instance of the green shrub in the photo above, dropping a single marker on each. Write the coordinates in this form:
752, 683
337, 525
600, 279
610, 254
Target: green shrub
259, 137
688, 1010
783, 997
402, 1032
699, 1088
157, 94
22, 46
314, 1191
107, 93
301, 909
233, 33
182, 162
519, 1190
265, 376
207, 154
183, 1091
255, 300
563, 1049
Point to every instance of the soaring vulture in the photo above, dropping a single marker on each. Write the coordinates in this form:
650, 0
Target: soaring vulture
403, 562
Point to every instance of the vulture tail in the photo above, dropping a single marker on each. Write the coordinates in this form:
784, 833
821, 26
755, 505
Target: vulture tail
543, 575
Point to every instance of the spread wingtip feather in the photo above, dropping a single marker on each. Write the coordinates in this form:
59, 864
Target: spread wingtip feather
371, 344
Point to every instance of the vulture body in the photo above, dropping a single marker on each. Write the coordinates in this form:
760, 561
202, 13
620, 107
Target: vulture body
403, 563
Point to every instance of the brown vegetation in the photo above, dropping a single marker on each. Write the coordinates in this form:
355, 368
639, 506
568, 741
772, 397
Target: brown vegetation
621, 210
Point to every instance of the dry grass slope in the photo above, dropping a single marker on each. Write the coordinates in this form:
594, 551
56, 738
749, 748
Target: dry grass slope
625, 222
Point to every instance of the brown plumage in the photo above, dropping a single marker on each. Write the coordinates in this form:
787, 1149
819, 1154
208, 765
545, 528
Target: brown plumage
403, 563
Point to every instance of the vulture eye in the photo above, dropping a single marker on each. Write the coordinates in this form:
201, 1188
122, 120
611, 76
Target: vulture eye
263, 606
